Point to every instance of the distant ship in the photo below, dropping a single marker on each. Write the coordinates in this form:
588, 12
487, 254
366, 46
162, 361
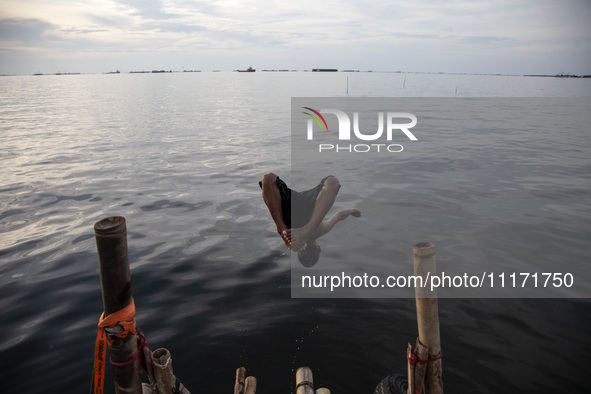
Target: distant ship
248, 70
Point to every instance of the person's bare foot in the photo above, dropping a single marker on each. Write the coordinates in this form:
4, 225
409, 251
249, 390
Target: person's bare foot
285, 236
345, 213
298, 238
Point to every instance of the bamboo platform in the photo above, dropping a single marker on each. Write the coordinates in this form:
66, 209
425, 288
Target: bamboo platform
128, 347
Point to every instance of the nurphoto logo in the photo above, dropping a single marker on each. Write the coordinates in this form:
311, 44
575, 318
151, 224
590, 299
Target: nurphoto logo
394, 126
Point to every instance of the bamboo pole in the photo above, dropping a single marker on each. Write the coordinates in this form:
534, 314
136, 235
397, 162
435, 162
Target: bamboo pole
239, 383
111, 242
428, 343
147, 365
250, 385
304, 381
165, 380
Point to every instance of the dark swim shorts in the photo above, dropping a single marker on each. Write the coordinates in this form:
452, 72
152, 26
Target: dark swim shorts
302, 203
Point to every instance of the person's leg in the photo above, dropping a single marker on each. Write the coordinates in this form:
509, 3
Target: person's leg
324, 201
272, 199
327, 225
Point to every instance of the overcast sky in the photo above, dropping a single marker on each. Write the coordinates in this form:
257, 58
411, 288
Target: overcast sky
504, 36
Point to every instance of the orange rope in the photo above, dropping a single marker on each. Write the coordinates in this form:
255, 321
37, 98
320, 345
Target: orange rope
125, 318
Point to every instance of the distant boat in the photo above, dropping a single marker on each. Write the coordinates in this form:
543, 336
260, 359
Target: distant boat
248, 70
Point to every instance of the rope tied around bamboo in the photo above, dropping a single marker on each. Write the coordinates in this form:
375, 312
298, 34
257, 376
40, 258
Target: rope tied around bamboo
424, 370
117, 325
424, 362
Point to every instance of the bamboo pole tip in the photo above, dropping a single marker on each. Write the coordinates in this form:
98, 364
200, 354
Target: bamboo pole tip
250, 385
161, 357
424, 249
303, 371
110, 226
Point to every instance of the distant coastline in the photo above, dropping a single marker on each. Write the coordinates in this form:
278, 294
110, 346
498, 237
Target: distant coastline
562, 75
315, 70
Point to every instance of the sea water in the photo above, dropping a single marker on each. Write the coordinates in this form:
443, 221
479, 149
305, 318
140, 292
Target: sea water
179, 155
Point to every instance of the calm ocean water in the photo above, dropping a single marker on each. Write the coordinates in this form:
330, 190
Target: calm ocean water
180, 155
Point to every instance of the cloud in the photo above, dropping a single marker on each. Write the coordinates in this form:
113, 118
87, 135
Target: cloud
482, 40
170, 26
115, 21
24, 30
151, 9
82, 30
